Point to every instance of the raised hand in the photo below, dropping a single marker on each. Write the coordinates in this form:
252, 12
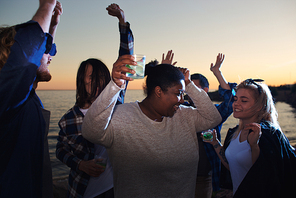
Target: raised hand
119, 69
169, 58
253, 139
57, 12
55, 19
115, 10
186, 74
254, 133
219, 61
44, 13
216, 69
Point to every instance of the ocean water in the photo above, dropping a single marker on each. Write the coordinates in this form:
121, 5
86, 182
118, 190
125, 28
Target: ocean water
59, 102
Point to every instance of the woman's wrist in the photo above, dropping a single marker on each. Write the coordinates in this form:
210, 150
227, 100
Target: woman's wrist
217, 144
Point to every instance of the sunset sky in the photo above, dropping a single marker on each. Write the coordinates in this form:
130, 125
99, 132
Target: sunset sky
258, 37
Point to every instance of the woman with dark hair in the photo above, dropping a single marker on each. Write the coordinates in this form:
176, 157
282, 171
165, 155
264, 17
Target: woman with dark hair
152, 144
87, 177
92, 77
259, 156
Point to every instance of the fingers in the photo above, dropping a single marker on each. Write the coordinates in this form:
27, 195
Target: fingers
254, 133
220, 58
119, 69
183, 70
169, 58
255, 127
114, 10
170, 55
58, 10
94, 169
211, 66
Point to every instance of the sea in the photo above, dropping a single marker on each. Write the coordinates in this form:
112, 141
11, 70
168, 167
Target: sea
60, 101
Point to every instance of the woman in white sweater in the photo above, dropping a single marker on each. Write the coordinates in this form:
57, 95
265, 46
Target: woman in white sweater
152, 144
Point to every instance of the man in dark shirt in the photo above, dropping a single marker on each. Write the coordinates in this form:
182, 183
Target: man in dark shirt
25, 169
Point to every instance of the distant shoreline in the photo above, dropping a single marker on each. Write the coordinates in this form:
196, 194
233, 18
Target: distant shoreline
286, 96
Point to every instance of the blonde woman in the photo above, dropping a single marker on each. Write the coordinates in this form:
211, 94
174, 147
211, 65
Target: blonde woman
258, 155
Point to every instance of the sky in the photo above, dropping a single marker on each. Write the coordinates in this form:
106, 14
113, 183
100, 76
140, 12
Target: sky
258, 37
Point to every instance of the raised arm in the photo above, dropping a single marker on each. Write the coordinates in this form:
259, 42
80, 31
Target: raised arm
126, 35
216, 69
97, 119
44, 13
55, 19
116, 11
207, 115
253, 139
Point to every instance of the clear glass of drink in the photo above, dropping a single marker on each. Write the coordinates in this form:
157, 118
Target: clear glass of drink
139, 68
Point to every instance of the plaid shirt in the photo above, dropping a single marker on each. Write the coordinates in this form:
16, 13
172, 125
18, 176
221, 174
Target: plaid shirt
225, 110
72, 148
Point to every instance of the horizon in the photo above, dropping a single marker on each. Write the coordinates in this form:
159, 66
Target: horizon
257, 38
210, 90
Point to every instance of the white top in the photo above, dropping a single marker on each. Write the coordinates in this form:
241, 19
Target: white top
150, 159
239, 157
103, 183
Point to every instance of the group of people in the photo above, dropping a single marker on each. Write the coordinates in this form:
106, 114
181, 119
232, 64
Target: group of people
154, 147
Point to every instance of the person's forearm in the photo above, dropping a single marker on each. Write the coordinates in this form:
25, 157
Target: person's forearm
206, 112
126, 40
98, 116
221, 153
52, 32
44, 14
222, 81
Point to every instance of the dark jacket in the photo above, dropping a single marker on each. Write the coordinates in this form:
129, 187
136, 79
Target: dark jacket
274, 172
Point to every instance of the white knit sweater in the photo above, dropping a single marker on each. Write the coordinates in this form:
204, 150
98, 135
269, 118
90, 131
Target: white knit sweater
150, 159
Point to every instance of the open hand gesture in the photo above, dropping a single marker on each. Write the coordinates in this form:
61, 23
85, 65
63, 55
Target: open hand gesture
219, 61
169, 58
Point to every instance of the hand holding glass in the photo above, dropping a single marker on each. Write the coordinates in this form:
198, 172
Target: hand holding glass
101, 161
207, 135
139, 68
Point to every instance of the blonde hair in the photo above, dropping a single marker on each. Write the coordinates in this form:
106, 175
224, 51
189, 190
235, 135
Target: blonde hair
263, 101
6, 41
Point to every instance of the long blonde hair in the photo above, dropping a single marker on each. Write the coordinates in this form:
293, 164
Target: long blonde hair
6, 41
263, 101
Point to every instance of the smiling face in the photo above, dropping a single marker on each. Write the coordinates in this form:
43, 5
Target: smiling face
243, 105
171, 99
